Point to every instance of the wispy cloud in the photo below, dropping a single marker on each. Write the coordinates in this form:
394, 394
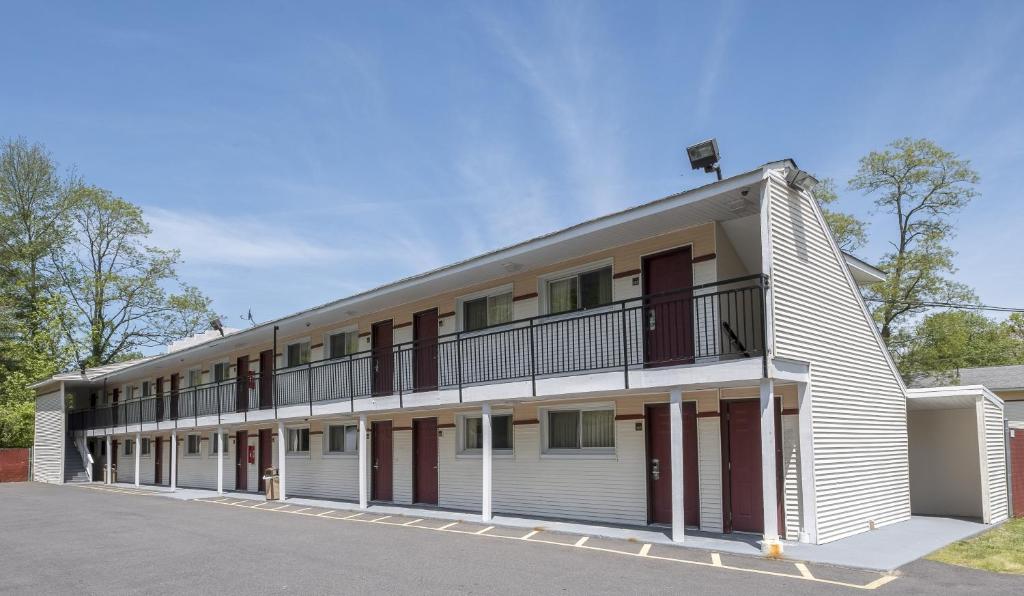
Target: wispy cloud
205, 238
715, 59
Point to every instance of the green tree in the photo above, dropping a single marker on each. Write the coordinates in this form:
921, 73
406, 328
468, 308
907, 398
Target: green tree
922, 185
123, 294
33, 225
946, 341
850, 233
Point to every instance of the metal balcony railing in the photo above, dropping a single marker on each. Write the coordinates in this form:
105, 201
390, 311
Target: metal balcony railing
706, 323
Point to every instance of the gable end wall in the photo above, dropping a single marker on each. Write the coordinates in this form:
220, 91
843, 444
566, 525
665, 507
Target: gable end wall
859, 408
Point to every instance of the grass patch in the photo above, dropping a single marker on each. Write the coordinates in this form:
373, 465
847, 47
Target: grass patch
1000, 550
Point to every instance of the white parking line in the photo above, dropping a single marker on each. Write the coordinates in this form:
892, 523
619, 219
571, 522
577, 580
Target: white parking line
446, 526
582, 541
485, 530
530, 535
411, 522
804, 571
300, 510
380, 519
716, 559
644, 550
325, 513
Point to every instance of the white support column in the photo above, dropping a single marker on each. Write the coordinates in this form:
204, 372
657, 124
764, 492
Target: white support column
769, 482
485, 496
809, 531
106, 463
220, 461
282, 456
363, 462
174, 460
676, 448
138, 453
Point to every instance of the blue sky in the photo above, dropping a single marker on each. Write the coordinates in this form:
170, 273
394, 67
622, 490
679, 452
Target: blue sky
296, 154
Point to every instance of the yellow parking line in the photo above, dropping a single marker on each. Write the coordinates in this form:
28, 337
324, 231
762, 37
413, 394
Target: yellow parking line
582, 541
804, 571
644, 550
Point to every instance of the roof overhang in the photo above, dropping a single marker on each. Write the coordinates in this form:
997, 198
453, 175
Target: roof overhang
863, 273
953, 397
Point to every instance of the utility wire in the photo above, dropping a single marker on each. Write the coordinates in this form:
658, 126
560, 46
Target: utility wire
957, 305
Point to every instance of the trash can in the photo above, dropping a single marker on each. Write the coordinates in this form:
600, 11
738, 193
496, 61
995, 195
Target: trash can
113, 473
272, 483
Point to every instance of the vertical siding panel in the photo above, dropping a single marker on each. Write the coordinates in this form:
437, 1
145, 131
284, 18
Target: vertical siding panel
791, 475
48, 445
709, 454
859, 416
995, 456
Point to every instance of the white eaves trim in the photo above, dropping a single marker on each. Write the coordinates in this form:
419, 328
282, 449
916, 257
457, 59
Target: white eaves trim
951, 396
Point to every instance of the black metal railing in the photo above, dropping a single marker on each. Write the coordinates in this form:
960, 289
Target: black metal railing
711, 322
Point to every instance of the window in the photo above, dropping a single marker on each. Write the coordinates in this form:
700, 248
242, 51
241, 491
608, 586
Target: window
342, 438
145, 388
192, 445
581, 429
213, 443
221, 371
195, 377
343, 344
473, 432
145, 446
584, 290
298, 440
129, 447
486, 311
298, 353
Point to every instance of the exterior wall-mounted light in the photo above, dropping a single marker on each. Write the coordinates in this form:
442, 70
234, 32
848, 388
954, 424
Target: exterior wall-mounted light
801, 180
705, 155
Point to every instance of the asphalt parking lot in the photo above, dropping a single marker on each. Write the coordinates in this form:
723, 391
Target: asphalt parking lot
64, 539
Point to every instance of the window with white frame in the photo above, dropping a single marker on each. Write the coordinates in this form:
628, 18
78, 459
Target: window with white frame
342, 438
145, 447
342, 344
192, 445
587, 289
297, 353
473, 433
486, 310
298, 440
221, 371
129, 447
195, 377
213, 443
589, 429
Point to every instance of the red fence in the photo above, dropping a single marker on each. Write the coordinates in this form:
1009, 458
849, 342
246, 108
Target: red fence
14, 464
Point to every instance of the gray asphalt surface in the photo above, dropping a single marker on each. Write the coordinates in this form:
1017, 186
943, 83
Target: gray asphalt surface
57, 539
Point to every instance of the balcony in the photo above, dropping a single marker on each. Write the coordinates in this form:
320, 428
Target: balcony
708, 323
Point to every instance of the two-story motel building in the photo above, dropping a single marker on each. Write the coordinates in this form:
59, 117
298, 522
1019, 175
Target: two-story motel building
701, 361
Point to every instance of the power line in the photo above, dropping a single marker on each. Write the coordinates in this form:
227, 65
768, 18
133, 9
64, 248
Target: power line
956, 305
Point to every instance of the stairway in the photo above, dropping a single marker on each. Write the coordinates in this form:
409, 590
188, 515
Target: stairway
74, 470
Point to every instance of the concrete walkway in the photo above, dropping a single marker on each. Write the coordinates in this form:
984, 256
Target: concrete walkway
884, 549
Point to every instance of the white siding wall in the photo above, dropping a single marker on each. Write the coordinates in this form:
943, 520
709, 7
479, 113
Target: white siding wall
200, 471
401, 445
791, 475
147, 463
995, 459
709, 458
48, 445
321, 475
609, 490
859, 409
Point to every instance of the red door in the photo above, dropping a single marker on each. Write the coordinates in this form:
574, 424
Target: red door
158, 459
1017, 470
242, 384
741, 450
383, 358
266, 456
668, 314
241, 463
266, 379
175, 382
659, 465
424, 355
380, 453
424, 453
